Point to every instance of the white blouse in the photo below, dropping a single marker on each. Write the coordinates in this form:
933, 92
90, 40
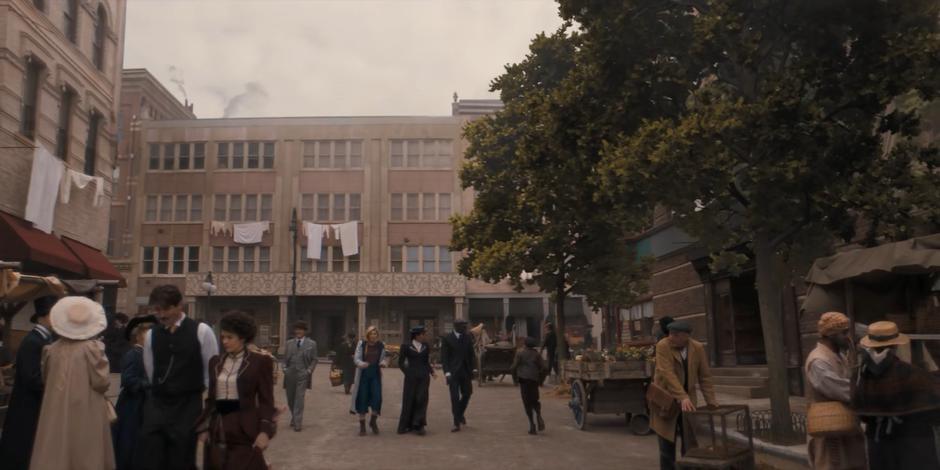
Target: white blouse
227, 383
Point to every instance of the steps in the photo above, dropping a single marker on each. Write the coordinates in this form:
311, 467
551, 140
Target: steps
744, 382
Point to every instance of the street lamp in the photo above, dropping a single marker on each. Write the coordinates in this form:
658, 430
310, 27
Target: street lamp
293, 262
209, 287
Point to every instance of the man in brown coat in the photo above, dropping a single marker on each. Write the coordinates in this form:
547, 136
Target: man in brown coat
681, 364
829, 376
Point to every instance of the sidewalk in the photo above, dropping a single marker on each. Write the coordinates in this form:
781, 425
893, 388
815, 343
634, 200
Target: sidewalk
773, 455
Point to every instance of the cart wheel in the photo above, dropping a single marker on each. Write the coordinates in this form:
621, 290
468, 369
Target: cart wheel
578, 404
640, 424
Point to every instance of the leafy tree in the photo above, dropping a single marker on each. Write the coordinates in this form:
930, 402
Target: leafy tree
790, 132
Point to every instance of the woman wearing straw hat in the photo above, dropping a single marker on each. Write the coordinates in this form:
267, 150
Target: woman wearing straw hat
900, 403
74, 425
367, 389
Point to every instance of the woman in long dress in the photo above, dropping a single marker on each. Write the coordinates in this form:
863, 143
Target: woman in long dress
415, 362
134, 385
367, 390
74, 425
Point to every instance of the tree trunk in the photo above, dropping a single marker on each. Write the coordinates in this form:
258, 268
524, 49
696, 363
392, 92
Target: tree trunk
768, 295
560, 341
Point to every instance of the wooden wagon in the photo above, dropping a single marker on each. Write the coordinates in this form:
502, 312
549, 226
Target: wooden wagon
609, 388
494, 361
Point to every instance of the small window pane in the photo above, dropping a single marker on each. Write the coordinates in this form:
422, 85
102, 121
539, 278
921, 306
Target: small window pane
396, 204
182, 208
235, 208
398, 152
238, 155
163, 260
443, 206
429, 153
249, 259
339, 154
199, 156
339, 207
169, 156
411, 259
355, 154
445, 152
147, 267
195, 208
166, 208
193, 259
184, 156
218, 258
222, 158
323, 264
323, 154
154, 157
412, 159
253, 154
267, 207
179, 259
428, 211
429, 259
355, 206
233, 253
444, 260
396, 260
306, 207
264, 259
353, 263
220, 207
323, 207
251, 207
411, 207
310, 154
151, 214
337, 259
306, 264
268, 155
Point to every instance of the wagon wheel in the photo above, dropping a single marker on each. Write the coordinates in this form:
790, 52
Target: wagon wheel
640, 424
578, 404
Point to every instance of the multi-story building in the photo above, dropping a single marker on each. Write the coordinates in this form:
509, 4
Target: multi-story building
60, 64
396, 177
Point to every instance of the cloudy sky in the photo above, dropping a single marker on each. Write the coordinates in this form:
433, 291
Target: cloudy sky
330, 57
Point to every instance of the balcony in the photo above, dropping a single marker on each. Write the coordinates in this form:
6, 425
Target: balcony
332, 284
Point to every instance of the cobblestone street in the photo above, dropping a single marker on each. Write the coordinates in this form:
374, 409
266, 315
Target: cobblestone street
495, 438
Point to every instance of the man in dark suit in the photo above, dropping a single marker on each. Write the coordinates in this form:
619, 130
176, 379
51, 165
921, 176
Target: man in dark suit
19, 428
457, 359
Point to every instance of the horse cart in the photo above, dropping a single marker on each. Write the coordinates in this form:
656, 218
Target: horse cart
495, 360
609, 387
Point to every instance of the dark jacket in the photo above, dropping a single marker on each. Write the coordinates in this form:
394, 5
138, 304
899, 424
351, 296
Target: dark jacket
414, 364
528, 364
457, 355
129, 407
255, 394
22, 419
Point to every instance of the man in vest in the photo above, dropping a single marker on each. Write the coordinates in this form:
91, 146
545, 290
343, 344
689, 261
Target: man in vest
827, 371
176, 360
300, 359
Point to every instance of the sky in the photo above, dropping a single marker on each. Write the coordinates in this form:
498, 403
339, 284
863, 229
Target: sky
244, 58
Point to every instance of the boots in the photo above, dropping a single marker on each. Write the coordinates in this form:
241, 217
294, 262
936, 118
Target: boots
362, 427
538, 416
373, 425
532, 428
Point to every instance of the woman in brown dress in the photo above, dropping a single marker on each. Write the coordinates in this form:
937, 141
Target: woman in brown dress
239, 417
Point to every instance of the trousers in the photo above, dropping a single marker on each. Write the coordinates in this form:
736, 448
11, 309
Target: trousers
295, 385
460, 390
530, 397
168, 433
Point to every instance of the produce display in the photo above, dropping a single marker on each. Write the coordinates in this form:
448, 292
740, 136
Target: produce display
622, 353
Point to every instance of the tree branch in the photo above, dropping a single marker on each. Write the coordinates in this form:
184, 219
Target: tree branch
737, 194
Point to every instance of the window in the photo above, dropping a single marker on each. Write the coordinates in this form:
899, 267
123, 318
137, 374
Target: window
428, 153
429, 259
179, 259
306, 207
396, 207
412, 154
91, 144
195, 208
310, 154
443, 207
445, 156
396, 259
199, 156
338, 260
411, 259
355, 206
193, 260
218, 258
411, 206
101, 32
251, 207
222, 156
267, 157
355, 154
339, 207
323, 264
339, 154
323, 154
233, 258
163, 260
267, 207
147, 262
71, 20
264, 259
397, 154
169, 156
154, 157
428, 207
182, 208
249, 257
221, 208
166, 208
65, 117
323, 207
150, 215
34, 71
184, 156
445, 263
238, 155
353, 263
235, 208
253, 156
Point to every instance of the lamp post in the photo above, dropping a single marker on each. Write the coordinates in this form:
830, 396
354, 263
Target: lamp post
208, 285
293, 261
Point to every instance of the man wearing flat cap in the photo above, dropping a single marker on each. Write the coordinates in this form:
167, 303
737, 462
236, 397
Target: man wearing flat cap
829, 376
457, 359
899, 403
681, 367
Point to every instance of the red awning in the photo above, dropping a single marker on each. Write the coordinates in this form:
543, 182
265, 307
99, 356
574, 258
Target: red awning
19, 241
98, 266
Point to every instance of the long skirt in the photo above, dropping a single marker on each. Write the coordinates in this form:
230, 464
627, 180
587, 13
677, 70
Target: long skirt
414, 404
230, 448
369, 391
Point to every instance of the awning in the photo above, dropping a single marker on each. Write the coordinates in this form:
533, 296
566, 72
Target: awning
19, 241
98, 267
912, 257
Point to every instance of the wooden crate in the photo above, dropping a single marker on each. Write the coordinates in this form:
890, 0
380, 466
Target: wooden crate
636, 369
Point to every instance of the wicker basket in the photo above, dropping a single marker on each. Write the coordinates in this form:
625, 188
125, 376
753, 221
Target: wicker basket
831, 418
336, 377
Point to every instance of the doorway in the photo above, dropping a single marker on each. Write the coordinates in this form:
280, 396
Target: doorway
739, 338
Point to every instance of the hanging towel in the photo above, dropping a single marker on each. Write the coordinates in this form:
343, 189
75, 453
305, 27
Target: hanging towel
349, 237
82, 181
217, 228
43, 189
314, 239
250, 233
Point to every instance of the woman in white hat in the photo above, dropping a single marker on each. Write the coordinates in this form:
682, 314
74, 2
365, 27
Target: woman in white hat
899, 402
74, 424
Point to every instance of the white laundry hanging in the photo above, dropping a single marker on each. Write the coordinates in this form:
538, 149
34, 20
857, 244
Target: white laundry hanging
250, 233
217, 228
314, 239
82, 181
349, 238
44, 182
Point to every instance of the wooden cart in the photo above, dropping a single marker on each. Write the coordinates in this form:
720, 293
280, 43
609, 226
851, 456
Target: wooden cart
494, 361
609, 388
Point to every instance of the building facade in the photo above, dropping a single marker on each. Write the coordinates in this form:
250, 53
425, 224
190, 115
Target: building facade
60, 64
396, 178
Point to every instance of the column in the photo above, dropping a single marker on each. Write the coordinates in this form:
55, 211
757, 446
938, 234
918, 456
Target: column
282, 324
362, 315
458, 309
189, 306
505, 315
